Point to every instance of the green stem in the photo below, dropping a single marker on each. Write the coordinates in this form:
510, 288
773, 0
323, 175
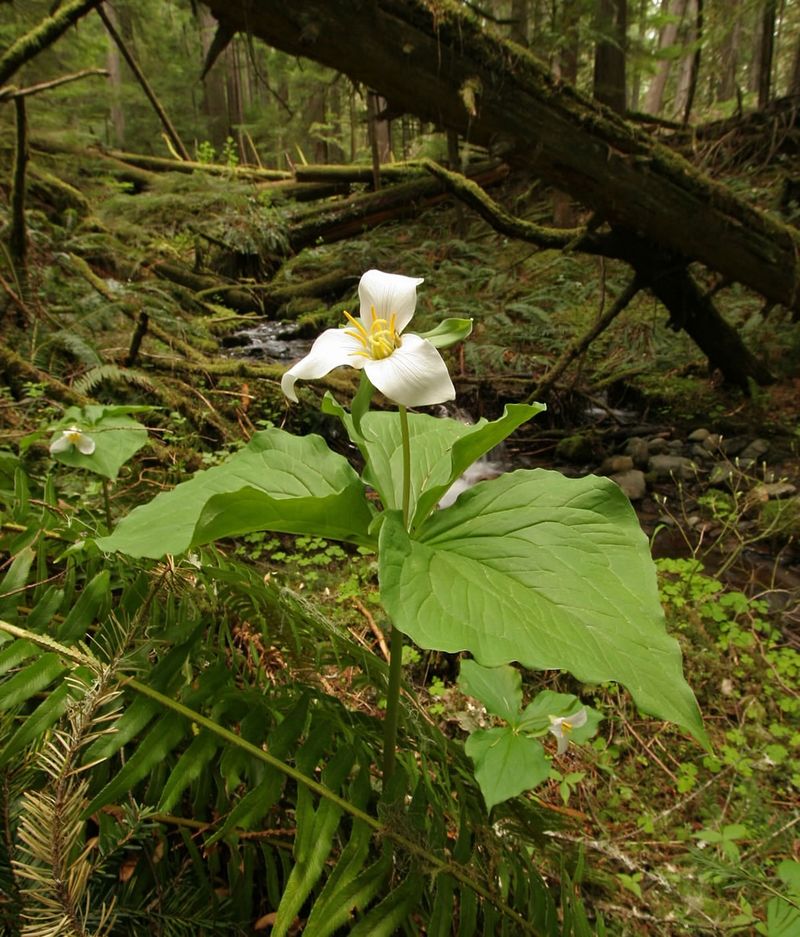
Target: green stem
396, 640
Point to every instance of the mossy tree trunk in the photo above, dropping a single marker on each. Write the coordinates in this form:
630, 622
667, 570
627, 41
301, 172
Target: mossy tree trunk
435, 60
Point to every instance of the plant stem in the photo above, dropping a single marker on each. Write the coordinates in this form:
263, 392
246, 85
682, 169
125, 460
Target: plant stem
396, 639
107, 503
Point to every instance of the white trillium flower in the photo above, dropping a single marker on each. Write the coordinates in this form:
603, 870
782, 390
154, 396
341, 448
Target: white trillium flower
73, 437
406, 368
561, 727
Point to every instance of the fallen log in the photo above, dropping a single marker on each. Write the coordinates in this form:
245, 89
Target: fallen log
391, 172
352, 216
164, 164
264, 298
436, 61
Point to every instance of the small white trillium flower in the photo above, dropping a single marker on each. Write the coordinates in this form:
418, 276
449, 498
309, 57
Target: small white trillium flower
561, 727
73, 437
406, 368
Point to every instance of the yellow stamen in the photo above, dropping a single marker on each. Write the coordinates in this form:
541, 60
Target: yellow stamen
381, 339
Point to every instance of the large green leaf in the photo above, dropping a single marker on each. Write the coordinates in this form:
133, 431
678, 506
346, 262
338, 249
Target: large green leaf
552, 572
498, 688
506, 763
441, 450
277, 482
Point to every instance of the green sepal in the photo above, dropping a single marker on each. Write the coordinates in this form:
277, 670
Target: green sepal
448, 332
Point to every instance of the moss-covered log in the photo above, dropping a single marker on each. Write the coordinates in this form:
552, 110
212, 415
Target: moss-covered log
394, 172
352, 216
435, 60
43, 35
164, 164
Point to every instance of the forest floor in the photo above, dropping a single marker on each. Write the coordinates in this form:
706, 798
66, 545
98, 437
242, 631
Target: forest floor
676, 840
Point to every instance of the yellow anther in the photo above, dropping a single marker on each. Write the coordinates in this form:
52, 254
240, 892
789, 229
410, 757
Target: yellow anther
381, 339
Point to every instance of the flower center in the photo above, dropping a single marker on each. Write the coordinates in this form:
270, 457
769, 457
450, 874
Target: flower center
74, 436
381, 339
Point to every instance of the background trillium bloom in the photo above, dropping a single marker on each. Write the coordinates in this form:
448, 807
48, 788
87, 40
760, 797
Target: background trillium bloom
405, 368
73, 437
561, 727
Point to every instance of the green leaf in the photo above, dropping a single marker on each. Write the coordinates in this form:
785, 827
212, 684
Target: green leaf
506, 763
30, 680
95, 598
386, 918
448, 332
191, 765
549, 571
498, 688
441, 450
536, 717
117, 437
277, 482
152, 750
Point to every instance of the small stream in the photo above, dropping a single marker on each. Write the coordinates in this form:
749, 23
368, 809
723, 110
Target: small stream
274, 342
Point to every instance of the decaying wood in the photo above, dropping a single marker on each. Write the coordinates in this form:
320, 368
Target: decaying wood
666, 275
10, 91
41, 36
16, 370
580, 345
356, 214
163, 164
354, 173
423, 56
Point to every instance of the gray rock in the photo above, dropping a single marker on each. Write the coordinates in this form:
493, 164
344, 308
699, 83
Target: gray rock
721, 474
712, 442
773, 490
754, 450
632, 483
733, 445
674, 446
671, 466
700, 452
698, 435
638, 450
615, 464
657, 446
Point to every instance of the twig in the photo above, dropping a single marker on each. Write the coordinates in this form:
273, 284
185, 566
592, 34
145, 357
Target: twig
11, 93
373, 627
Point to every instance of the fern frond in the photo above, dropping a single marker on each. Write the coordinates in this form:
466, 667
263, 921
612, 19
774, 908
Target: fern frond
89, 381
71, 343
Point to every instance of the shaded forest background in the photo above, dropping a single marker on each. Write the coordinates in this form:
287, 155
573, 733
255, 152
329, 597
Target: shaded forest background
169, 267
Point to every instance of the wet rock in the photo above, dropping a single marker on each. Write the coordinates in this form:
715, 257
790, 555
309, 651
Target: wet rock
577, 448
698, 435
700, 452
632, 483
671, 466
638, 449
754, 450
712, 442
733, 445
657, 446
615, 464
771, 490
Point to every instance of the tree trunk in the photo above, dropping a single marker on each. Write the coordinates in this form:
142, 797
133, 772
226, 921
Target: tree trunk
610, 53
114, 66
766, 48
422, 60
687, 62
654, 98
214, 104
729, 52
519, 22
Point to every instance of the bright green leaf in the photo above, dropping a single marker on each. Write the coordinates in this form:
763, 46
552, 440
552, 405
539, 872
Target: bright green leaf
278, 482
498, 688
549, 571
506, 763
448, 332
116, 435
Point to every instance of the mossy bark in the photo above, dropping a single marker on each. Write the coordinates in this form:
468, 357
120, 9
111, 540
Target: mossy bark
435, 60
43, 35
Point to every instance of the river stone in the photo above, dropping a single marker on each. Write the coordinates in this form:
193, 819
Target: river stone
657, 446
632, 483
773, 490
712, 442
700, 452
671, 466
698, 435
638, 450
576, 448
733, 445
721, 474
615, 464
754, 450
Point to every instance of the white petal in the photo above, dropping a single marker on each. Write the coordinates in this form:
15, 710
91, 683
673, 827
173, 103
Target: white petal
414, 375
563, 743
85, 444
578, 719
389, 293
60, 445
331, 350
